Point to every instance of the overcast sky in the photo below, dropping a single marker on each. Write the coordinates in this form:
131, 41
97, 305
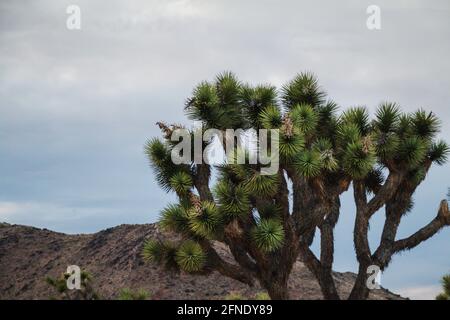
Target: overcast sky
76, 106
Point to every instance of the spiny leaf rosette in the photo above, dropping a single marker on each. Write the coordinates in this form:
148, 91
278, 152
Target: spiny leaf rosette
445, 294
269, 221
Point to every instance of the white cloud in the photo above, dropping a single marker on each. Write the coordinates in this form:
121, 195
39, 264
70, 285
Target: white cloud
184, 8
420, 293
42, 213
8, 209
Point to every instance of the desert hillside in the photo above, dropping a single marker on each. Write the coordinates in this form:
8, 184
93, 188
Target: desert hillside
113, 256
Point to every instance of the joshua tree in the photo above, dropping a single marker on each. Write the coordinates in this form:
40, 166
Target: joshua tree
86, 292
445, 295
269, 221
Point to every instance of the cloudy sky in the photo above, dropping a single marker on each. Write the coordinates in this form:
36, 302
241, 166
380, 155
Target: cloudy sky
76, 106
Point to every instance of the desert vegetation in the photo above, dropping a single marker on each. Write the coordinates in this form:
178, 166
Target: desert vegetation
86, 291
239, 296
129, 294
445, 294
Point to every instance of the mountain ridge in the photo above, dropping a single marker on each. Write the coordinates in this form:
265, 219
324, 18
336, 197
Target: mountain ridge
113, 256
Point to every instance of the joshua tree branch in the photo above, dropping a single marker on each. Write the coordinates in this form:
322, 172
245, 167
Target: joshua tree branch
322, 275
396, 207
342, 185
201, 181
227, 269
394, 211
327, 236
282, 196
360, 241
241, 256
309, 258
326, 280
441, 220
361, 228
305, 197
385, 192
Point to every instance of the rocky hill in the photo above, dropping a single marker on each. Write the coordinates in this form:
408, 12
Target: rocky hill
113, 256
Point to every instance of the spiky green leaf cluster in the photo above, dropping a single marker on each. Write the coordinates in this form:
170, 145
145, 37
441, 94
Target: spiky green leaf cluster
175, 218
218, 104
168, 175
348, 133
290, 145
358, 160
387, 117
413, 150
446, 284
256, 99
327, 124
160, 161
206, 221
386, 145
233, 199
418, 175
187, 256
268, 235
425, 125
162, 253
309, 164
439, 152
260, 185
181, 182
270, 117
203, 106
327, 155
190, 256
359, 117
373, 180
445, 294
269, 211
304, 117
303, 89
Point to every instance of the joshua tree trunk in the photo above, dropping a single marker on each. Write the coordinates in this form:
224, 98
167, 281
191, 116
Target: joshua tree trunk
325, 276
327, 285
278, 288
360, 290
